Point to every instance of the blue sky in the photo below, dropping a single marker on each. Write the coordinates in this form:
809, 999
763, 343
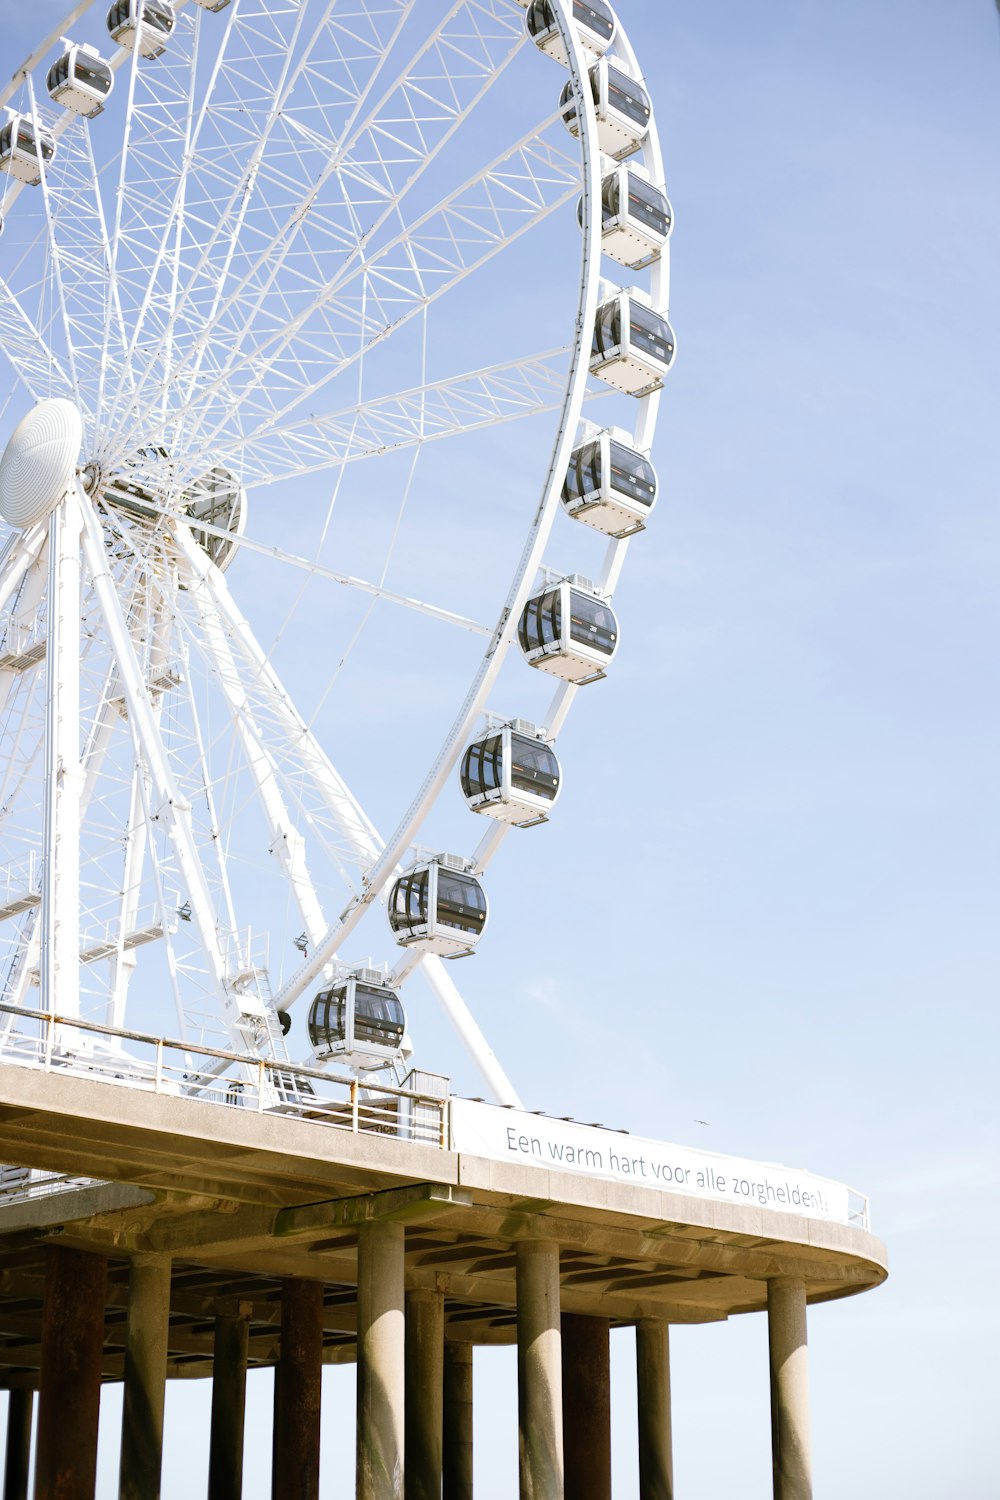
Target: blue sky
772, 879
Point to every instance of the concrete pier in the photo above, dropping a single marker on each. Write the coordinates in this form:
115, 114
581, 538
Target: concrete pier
586, 1393
656, 1457
243, 1201
70, 1394
539, 1371
18, 1450
297, 1389
424, 1394
145, 1378
457, 1421
791, 1454
229, 1388
381, 1361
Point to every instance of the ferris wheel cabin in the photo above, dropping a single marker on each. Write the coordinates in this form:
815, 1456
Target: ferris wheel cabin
609, 486
81, 81
25, 149
511, 774
570, 630
636, 217
439, 906
633, 346
622, 107
142, 25
359, 1022
593, 20
212, 5
218, 499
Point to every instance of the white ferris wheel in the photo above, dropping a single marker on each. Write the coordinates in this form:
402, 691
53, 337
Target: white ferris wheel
338, 329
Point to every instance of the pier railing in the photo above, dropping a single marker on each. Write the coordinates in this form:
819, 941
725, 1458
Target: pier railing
216, 1076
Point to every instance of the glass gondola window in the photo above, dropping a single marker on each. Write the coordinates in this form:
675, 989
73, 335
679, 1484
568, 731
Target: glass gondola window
461, 902
409, 904
19, 135
378, 1016
541, 621
533, 766
608, 327
158, 20
628, 97
594, 15
592, 623
649, 205
631, 474
582, 476
482, 767
650, 332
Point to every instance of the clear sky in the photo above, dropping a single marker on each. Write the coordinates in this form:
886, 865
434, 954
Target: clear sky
770, 890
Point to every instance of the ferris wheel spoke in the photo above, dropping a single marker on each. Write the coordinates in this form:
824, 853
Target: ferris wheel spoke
29, 352
239, 92
241, 125
286, 842
425, 261
298, 746
243, 1014
386, 153
441, 409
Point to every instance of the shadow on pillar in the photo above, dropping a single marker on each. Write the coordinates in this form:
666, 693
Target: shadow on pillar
70, 1391
457, 1422
145, 1378
381, 1361
18, 1455
791, 1455
229, 1391
586, 1395
424, 1394
539, 1372
656, 1460
297, 1391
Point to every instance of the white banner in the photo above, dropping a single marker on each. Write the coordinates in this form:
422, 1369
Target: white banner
535, 1140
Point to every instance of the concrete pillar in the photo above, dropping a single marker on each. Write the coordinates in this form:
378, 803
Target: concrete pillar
424, 1394
539, 1372
229, 1390
297, 1384
69, 1400
145, 1378
791, 1455
656, 1456
18, 1458
381, 1361
457, 1422
586, 1399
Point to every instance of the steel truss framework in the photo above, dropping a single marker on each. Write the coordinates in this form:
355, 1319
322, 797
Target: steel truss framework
209, 272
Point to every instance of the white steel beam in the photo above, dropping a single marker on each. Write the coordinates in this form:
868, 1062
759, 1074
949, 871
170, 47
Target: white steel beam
244, 1015
60, 913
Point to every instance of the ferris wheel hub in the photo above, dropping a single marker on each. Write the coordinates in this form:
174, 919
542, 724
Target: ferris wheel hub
39, 462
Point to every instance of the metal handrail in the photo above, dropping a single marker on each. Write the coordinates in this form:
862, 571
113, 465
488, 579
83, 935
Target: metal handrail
357, 1106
